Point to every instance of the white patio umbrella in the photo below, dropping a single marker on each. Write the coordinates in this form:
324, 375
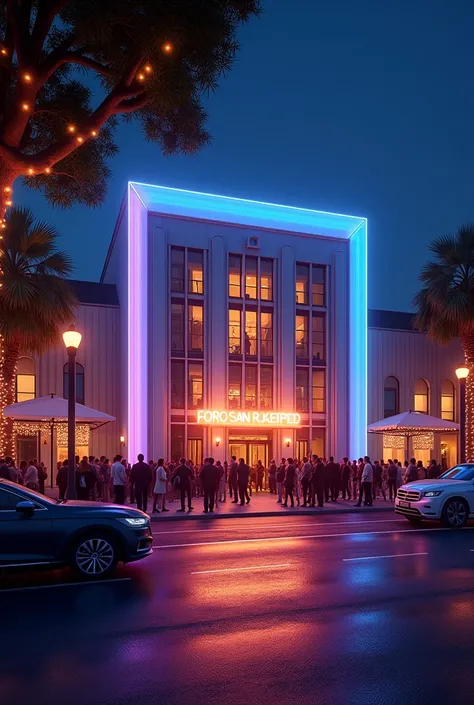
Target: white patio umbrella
52, 411
412, 423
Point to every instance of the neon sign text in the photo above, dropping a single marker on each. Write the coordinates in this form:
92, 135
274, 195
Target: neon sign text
248, 418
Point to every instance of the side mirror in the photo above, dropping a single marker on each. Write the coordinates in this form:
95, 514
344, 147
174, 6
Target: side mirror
26, 508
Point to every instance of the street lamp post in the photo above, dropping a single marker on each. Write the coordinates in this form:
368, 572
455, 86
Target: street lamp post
462, 373
72, 340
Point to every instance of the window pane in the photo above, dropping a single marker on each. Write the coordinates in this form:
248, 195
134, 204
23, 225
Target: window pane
235, 276
390, 397
177, 328
302, 283
250, 277
235, 386
318, 340
266, 279
317, 442
25, 387
421, 396
177, 442
251, 387
266, 334
196, 328
195, 272
319, 392
447, 400
195, 450
302, 337
177, 269
319, 275
235, 323
266, 387
302, 391
250, 332
195, 385
177, 384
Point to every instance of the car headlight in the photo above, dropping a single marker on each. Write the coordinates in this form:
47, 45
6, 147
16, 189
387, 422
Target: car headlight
134, 521
432, 493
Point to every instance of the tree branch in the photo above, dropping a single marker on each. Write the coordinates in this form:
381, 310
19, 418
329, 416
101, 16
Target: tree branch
47, 11
132, 104
77, 57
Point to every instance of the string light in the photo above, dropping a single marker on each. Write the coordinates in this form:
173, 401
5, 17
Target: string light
148, 68
4, 52
4, 449
8, 203
94, 133
80, 139
71, 128
167, 48
31, 171
25, 107
27, 77
141, 77
48, 170
7, 189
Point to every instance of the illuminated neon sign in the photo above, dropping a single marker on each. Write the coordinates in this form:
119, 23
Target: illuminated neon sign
248, 418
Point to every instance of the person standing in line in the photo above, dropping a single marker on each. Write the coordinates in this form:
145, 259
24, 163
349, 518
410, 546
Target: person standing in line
392, 480
290, 478
209, 480
159, 490
183, 477
305, 479
297, 489
377, 479
42, 476
140, 480
366, 484
31, 476
119, 478
260, 476
411, 473
233, 479
399, 473
105, 468
220, 491
346, 477
280, 478
317, 482
272, 470
327, 480
243, 476
61, 479
84, 480
354, 478
333, 473
434, 470
422, 473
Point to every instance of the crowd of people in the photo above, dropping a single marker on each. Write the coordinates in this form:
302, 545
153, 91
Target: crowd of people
310, 482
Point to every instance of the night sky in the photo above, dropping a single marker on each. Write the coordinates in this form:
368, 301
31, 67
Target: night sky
353, 106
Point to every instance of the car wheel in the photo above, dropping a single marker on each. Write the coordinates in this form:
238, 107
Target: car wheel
94, 556
455, 513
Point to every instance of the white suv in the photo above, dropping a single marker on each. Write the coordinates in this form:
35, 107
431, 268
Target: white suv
449, 499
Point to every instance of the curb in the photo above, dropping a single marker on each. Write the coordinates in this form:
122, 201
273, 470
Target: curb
290, 512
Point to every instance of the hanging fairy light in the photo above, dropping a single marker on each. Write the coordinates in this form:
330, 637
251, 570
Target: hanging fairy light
27, 77
25, 107
148, 68
167, 48
80, 140
71, 128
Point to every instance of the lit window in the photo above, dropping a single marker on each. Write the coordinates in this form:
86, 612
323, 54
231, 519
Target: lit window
421, 396
390, 397
266, 334
318, 285
250, 277
302, 337
266, 279
195, 385
302, 389
177, 442
266, 387
79, 383
447, 400
195, 272
235, 276
319, 392
25, 387
177, 269
235, 324
302, 284
196, 328
250, 386
235, 386
177, 384
318, 337
251, 333
177, 328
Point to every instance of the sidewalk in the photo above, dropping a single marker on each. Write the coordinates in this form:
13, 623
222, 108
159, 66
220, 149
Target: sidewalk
262, 504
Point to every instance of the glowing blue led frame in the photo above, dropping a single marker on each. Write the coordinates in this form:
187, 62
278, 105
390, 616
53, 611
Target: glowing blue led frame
144, 198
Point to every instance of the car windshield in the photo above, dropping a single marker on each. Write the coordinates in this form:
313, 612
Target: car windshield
459, 472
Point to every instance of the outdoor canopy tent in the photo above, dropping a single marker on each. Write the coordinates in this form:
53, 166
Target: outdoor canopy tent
410, 424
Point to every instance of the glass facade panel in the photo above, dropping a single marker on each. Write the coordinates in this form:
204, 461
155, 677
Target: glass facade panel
319, 337
266, 387
318, 442
250, 277
266, 334
196, 328
302, 389
318, 285
319, 391
266, 279
177, 328
177, 442
235, 386
177, 270
235, 276
235, 332
177, 384
251, 387
302, 284
195, 450
195, 385
302, 337
195, 271
251, 333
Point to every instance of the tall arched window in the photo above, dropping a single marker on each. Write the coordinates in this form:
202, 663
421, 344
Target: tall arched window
391, 397
421, 398
447, 400
79, 382
25, 384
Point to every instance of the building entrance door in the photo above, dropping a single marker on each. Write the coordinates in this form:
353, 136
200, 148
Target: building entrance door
250, 448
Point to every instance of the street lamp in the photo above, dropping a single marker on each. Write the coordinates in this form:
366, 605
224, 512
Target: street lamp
72, 339
462, 373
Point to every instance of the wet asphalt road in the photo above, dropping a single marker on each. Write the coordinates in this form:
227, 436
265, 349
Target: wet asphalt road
342, 610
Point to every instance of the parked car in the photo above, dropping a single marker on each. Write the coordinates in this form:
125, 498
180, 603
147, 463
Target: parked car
449, 499
90, 537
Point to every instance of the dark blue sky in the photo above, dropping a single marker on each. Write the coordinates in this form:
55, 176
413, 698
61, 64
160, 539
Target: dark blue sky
354, 106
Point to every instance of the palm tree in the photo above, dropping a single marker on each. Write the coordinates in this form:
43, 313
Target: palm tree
445, 305
36, 302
